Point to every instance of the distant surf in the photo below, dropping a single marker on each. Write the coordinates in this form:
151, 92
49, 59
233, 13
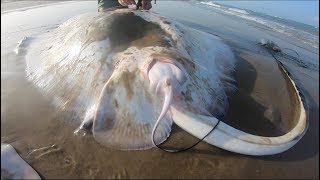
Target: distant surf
302, 32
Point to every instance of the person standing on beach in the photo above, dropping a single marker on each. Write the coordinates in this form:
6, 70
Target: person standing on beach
108, 5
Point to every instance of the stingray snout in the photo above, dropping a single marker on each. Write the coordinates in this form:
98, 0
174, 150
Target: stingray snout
165, 79
163, 73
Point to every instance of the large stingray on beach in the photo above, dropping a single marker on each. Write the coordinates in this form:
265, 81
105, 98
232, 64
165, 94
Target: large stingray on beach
127, 75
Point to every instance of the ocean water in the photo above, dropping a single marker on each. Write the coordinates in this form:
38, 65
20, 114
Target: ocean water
302, 32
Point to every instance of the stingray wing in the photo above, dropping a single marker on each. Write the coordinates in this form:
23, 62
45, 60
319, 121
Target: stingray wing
72, 63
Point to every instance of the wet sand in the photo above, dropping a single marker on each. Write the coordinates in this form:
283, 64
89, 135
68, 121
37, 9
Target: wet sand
261, 106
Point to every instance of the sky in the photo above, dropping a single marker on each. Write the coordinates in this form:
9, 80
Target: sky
306, 11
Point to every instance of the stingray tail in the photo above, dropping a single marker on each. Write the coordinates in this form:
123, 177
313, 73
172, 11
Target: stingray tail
166, 105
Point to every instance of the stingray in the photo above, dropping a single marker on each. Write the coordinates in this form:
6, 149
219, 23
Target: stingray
128, 75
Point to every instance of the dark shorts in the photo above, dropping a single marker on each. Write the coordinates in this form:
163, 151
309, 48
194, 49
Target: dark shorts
108, 3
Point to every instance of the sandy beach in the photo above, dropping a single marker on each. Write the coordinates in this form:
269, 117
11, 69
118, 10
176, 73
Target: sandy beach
28, 120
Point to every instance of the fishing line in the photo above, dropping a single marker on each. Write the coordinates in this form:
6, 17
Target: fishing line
292, 51
181, 150
274, 49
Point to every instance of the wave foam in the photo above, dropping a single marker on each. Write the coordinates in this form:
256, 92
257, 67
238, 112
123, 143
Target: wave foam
291, 31
238, 10
211, 4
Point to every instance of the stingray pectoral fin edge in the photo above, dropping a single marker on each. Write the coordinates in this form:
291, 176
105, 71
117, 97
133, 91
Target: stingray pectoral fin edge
234, 140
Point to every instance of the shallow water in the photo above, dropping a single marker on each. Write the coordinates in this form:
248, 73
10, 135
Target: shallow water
261, 105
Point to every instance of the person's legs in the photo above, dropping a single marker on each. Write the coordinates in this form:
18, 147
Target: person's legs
146, 4
105, 5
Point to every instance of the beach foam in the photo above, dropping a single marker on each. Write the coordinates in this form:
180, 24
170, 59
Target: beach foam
284, 28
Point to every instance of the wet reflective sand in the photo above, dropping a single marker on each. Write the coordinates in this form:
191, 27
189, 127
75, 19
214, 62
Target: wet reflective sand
261, 106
